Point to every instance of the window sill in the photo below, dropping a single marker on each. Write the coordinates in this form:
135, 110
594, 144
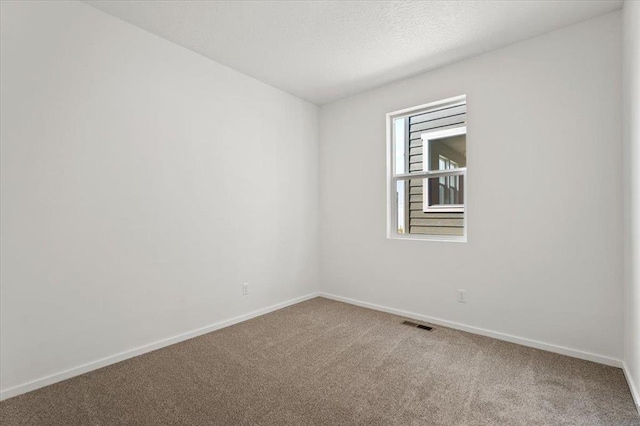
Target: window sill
435, 238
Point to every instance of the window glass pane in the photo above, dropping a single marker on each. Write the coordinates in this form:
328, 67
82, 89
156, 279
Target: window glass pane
445, 191
401, 206
430, 222
400, 138
448, 153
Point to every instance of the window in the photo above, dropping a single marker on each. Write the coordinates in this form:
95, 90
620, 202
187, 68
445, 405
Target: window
440, 147
427, 149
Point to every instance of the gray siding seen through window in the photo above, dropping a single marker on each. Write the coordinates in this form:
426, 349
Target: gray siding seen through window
419, 221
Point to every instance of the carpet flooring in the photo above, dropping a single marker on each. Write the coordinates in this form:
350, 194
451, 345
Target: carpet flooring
322, 362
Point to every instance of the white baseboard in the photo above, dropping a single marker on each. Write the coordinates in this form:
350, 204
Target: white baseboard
635, 391
601, 359
103, 362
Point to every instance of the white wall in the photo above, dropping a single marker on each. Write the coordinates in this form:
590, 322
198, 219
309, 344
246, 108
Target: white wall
141, 185
631, 70
544, 257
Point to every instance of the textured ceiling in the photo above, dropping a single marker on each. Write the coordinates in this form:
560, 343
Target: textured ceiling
326, 50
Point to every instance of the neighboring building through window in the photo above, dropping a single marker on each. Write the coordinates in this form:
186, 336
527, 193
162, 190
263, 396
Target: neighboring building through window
427, 148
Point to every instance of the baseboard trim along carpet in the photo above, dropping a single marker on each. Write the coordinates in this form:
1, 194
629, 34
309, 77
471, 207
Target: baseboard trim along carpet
601, 359
635, 392
103, 362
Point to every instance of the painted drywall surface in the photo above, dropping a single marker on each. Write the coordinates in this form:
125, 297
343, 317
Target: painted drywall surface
141, 185
631, 131
347, 47
544, 256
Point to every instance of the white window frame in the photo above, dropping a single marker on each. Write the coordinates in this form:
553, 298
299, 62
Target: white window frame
393, 177
426, 141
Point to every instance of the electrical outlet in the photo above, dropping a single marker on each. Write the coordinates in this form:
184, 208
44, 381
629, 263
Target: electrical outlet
245, 289
462, 296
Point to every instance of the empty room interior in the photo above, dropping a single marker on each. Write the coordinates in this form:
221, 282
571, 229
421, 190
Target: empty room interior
320, 212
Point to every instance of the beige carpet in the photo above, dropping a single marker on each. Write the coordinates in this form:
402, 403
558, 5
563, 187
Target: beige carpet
327, 363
